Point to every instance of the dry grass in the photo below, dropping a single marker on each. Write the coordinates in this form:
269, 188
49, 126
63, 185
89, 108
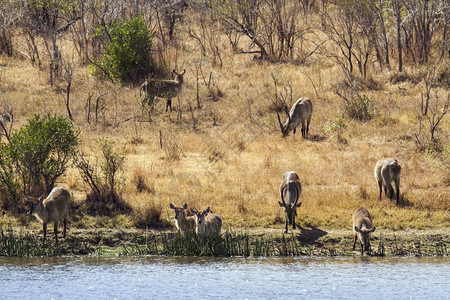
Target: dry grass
236, 166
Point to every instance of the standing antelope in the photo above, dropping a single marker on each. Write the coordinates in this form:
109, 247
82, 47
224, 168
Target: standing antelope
207, 224
362, 227
300, 112
386, 171
183, 223
290, 191
51, 209
164, 88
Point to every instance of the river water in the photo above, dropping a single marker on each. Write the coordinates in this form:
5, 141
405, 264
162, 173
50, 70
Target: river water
230, 278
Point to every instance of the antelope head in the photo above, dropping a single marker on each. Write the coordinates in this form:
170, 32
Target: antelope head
364, 236
200, 216
291, 210
178, 76
179, 211
284, 128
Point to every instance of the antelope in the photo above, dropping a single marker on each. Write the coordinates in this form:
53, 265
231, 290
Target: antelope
300, 112
51, 209
362, 227
183, 223
207, 224
290, 191
164, 88
386, 171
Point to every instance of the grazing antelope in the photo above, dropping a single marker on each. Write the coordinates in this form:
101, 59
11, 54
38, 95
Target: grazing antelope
207, 224
386, 171
362, 227
300, 112
51, 209
183, 223
290, 191
163, 88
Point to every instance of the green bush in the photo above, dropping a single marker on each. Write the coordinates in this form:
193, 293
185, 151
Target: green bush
336, 126
35, 157
127, 56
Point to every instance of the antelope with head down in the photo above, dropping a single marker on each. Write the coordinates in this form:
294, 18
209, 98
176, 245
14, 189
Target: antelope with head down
183, 223
290, 191
362, 227
51, 209
300, 113
207, 224
163, 88
386, 171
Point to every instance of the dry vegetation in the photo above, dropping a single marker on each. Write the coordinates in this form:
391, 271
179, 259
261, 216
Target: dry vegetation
230, 154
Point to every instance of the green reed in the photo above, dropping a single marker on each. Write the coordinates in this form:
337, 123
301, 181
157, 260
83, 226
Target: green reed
23, 244
227, 245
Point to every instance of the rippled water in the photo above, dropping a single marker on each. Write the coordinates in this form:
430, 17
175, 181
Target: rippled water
234, 278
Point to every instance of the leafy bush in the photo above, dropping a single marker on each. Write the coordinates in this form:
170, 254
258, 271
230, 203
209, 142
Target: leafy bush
337, 126
35, 157
127, 56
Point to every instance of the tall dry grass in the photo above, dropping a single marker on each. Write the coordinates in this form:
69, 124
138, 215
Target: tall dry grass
230, 155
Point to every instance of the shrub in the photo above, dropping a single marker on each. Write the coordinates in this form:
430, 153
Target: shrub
127, 56
41, 151
337, 126
104, 198
361, 108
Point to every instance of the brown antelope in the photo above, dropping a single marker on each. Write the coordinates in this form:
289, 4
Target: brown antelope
183, 223
51, 209
207, 224
290, 190
300, 112
163, 88
386, 171
362, 227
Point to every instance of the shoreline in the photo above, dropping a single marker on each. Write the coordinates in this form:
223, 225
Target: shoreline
245, 242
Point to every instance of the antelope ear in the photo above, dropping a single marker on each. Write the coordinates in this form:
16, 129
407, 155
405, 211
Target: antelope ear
184, 71
172, 206
372, 230
357, 229
185, 206
281, 204
173, 71
299, 204
207, 210
193, 211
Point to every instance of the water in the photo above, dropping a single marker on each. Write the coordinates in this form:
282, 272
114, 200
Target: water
233, 278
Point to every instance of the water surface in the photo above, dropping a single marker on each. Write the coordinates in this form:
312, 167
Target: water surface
224, 278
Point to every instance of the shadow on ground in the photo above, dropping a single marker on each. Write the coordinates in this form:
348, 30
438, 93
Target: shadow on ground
310, 236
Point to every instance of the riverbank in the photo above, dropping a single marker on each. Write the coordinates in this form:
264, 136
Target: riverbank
265, 242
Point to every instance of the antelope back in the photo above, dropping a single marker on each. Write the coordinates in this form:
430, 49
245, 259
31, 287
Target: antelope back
290, 189
57, 203
387, 169
299, 113
362, 225
213, 224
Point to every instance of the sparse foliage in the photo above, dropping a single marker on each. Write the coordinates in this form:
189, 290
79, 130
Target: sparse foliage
437, 110
337, 127
102, 177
